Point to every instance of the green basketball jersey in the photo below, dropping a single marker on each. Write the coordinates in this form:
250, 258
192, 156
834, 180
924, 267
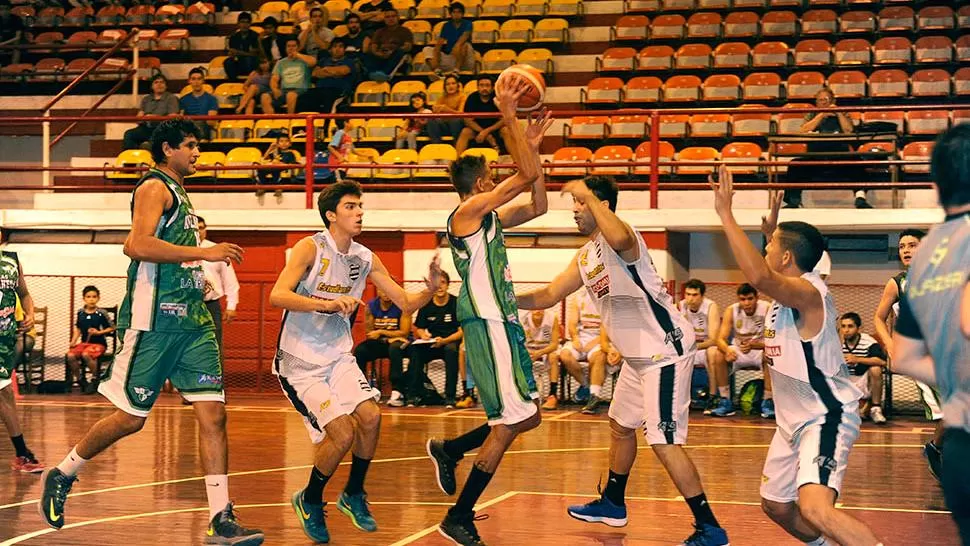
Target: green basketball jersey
167, 297
9, 280
483, 264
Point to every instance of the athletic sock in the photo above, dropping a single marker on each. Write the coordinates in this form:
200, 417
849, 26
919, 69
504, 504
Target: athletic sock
768, 395
553, 387
358, 471
72, 464
820, 541
473, 439
313, 494
217, 493
20, 446
594, 390
615, 491
474, 487
723, 392
702, 510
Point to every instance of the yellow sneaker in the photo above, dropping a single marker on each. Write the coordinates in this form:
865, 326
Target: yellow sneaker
551, 403
465, 403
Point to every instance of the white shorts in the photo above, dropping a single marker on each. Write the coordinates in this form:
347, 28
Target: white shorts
747, 361
330, 392
931, 401
700, 358
818, 453
4, 383
584, 339
657, 399
862, 383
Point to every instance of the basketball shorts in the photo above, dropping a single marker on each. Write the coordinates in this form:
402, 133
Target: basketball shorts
700, 358
321, 393
862, 383
656, 398
931, 401
817, 453
747, 361
495, 354
585, 337
190, 360
8, 361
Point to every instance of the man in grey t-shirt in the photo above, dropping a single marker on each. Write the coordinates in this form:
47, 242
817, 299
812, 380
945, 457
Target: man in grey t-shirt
157, 103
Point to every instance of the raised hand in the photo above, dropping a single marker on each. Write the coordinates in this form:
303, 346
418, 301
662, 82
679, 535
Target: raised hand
539, 123
434, 273
770, 222
579, 190
723, 190
507, 96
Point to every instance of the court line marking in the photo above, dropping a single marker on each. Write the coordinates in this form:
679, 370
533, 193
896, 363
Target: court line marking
425, 532
559, 417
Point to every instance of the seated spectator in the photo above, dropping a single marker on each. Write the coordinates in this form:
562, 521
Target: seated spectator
387, 336
481, 130
741, 344
542, 334
200, 103
316, 37
452, 101
278, 152
452, 50
585, 345
372, 14
438, 336
865, 359
415, 126
87, 341
357, 40
336, 76
157, 103
257, 85
389, 49
291, 78
340, 149
11, 31
244, 51
301, 14
272, 45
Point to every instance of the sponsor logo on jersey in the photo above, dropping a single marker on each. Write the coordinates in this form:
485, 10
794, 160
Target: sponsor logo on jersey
324, 405
601, 287
333, 288
206, 379
143, 393
353, 269
825, 463
583, 257
773, 351
770, 333
8, 283
667, 426
676, 335
940, 283
174, 309
191, 221
595, 271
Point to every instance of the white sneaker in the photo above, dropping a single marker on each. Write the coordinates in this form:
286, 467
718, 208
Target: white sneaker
396, 400
876, 414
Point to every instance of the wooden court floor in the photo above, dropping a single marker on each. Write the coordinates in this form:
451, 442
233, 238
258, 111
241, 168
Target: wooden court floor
148, 488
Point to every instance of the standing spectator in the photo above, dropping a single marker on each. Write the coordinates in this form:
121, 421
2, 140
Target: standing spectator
452, 50
271, 44
387, 336
220, 282
243, 48
482, 130
450, 102
87, 341
291, 78
409, 136
865, 359
11, 30
372, 14
160, 102
200, 103
438, 336
278, 152
336, 75
357, 40
257, 85
316, 38
389, 49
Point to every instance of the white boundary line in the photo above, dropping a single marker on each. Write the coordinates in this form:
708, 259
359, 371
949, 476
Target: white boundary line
425, 532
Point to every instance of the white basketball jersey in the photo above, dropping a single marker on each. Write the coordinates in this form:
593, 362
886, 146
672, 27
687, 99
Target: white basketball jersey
699, 319
590, 320
749, 326
321, 338
538, 336
809, 377
638, 313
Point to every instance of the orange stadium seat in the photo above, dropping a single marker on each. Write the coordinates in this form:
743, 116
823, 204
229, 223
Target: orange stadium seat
917, 151
962, 47
741, 24
804, 85
890, 82
112, 68
643, 90
752, 124
732, 55
933, 49
784, 3
714, 4
48, 38
779, 23
742, 151
656, 57
169, 14
616, 59
812, 53
78, 17
848, 84
200, 13
84, 39
17, 71
679, 5
571, 154
930, 82
892, 50
857, 21
896, 118
960, 116
604, 90
674, 125
770, 55
927, 122
49, 17
48, 69
722, 87
704, 25
757, 4
897, 18
935, 18
110, 15
693, 57
173, 39
790, 123
587, 128
963, 17
668, 27
630, 28
710, 125
24, 12
642, 154
612, 154
961, 82
819, 21
696, 153
682, 89
631, 125
852, 51
761, 86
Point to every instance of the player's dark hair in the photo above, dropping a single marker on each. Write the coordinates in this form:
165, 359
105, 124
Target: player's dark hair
465, 170
172, 131
91, 288
270, 22
912, 232
696, 284
854, 317
604, 188
950, 166
331, 195
747, 290
804, 241
315, 10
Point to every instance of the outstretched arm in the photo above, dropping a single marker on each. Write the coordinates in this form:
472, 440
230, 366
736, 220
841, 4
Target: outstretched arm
407, 301
563, 285
514, 215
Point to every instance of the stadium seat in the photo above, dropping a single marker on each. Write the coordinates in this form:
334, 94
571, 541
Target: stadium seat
769, 55
602, 91
338, 9
679, 5
200, 13
146, 37
791, 123
962, 47
852, 51
642, 154
960, 116
238, 157
383, 129
234, 131
857, 21
693, 57
630, 28
632, 125
371, 94
710, 125
812, 53
497, 8
933, 49
722, 87
363, 155
892, 50
469, 87
111, 36
531, 8
935, 18
112, 69
890, 82
490, 155
421, 30
435, 90
587, 128
848, 84
566, 8
656, 57
804, 85
148, 67
704, 25
217, 69
48, 69
696, 153
761, 86
756, 4
396, 157
80, 16
779, 23
753, 124
47, 38
405, 8
26, 13
169, 14
266, 130
401, 92
83, 39
173, 39
896, 118
668, 27
484, 31
278, 10
551, 31
641, 6
76, 66
963, 17
130, 158
931, 82
732, 55
571, 154
961, 82
785, 3
682, 89
617, 59
538, 58
494, 61
515, 31
50, 16
736, 152
741, 24
421, 66
435, 154
110, 15
643, 90
819, 21
897, 18
612, 154
713, 4
229, 94
674, 125
927, 122
917, 151
208, 159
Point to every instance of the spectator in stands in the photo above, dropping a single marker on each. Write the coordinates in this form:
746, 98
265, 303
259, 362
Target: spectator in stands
452, 50
415, 126
389, 49
451, 101
88, 340
272, 44
865, 359
243, 48
278, 152
438, 336
257, 85
340, 149
357, 41
372, 14
481, 130
220, 282
387, 332
291, 78
316, 37
157, 103
336, 76
200, 103
11, 30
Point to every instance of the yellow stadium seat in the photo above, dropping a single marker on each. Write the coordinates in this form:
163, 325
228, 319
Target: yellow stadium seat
188, 89
566, 8
531, 8
402, 91
497, 8
262, 128
490, 154
208, 159
373, 94
233, 131
470, 87
435, 90
420, 29
240, 157
473, 8
216, 70
515, 31
435, 154
484, 32
397, 157
130, 158
405, 8
362, 155
299, 11
420, 66
228, 94
432, 9
279, 10
551, 31
538, 58
383, 130
338, 9
495, 61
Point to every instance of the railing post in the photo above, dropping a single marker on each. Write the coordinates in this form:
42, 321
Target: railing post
654, 158
310, 137
136, 77
45, 152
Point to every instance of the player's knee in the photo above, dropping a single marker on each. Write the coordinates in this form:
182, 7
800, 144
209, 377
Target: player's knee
620, 432
815, 511
129, 424
340, 431
368, 415
211, 416
876, 372
779, 512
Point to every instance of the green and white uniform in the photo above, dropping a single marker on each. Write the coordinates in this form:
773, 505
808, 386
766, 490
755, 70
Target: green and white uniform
494, 338
9, 280
168, 332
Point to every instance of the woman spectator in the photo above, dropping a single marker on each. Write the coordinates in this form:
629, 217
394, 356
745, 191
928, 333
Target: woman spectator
450, 102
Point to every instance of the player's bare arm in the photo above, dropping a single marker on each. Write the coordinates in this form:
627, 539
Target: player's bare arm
573, 326
890, 295
26, 301
515, 215
911, 357
724, 333
553, 341
713, 327
408, 302
284, 293
964, 311
565, 283
618, 234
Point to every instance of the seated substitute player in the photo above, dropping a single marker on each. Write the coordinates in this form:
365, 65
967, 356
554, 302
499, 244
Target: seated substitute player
705, 316
387, 332
542, 334
320, 288
87, 340
865, 359
584, 326
818, 406
743, 324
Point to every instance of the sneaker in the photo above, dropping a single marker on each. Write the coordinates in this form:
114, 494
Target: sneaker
313, 518
934, 458
355, 507
467, 402
444, 466
27, 465
461, 529
582, 394
225, 529
450, 403
397, 399
712, 404
707, 535
56, 485
600, 510
591, 406
876, 414
768, 408
551, 403
861, 203
724, 409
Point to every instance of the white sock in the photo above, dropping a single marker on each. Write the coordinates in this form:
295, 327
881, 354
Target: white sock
768, 395
217, 492
820, 541
860, 194
723, 392
594, 390
72, 464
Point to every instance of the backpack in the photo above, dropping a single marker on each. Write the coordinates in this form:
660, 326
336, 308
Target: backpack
752, 393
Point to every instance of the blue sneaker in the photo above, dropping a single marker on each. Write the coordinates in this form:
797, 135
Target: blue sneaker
313, 518
600, 510
355, 507
582, 394
707, 535
724, 409
768, 408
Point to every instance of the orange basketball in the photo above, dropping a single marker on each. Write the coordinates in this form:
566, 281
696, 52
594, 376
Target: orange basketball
531, 99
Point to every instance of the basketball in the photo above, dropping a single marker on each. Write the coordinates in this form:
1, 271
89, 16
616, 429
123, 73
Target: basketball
531, 99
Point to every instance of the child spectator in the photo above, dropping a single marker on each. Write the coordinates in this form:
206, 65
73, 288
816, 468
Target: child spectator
278, 152
87, 341
341, 147
409, 136
257, 85
452, 101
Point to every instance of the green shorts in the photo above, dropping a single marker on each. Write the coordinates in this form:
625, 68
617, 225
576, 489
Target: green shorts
497, 358
190, 360
8, 360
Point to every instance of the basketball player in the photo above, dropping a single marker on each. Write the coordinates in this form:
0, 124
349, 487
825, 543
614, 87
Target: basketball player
818, 405
658, 344
932, 339
168, 334
319, 289
705, 316
496, 355
585, 345
542, 334
744, 324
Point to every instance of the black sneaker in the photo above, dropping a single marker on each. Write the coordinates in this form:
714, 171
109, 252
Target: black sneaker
461, 529
592, 404
224, 529
861, 203
56, 485
444, 466
934, 458
712, 404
